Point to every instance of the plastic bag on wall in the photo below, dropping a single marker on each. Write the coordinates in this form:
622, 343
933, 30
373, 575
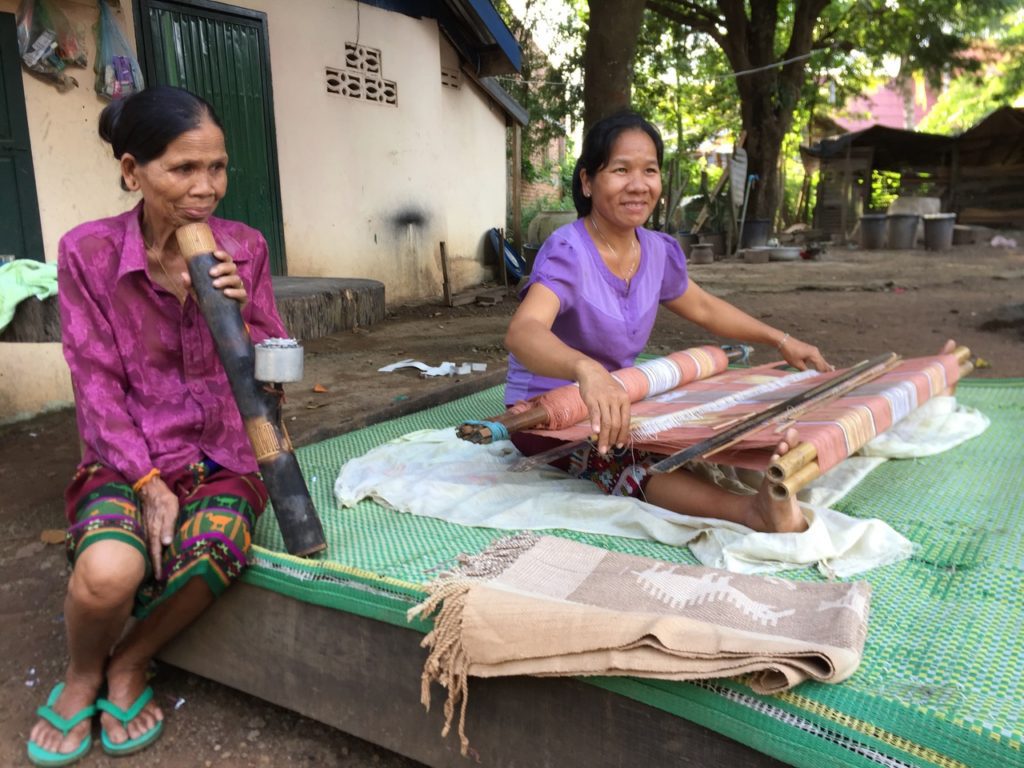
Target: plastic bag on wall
47, 43
117, 70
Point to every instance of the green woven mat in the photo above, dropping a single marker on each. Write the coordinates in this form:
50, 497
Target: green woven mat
940, 684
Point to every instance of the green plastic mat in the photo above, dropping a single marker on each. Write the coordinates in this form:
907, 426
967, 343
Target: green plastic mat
941, 681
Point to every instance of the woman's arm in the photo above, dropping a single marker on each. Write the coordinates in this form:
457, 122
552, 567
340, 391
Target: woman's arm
532, 341
723, 319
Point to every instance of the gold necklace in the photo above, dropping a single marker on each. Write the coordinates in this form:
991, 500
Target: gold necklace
176, 286
634, 260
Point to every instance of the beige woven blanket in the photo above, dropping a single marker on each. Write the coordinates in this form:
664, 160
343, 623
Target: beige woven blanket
539, 605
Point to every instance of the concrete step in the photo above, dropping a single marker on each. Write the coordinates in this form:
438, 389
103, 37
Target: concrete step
310, 307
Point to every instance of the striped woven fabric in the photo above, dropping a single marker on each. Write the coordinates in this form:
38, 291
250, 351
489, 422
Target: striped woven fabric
837, 429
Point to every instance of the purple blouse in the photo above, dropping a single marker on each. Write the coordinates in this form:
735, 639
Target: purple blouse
149, 388
599, 314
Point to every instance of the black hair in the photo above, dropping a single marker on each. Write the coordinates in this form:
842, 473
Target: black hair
143, 124
597, 148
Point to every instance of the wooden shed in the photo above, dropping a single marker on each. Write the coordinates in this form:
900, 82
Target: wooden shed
979, 174
847, 162
987, 171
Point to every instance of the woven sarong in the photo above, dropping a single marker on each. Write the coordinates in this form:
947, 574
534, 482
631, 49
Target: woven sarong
546, 606
216, 515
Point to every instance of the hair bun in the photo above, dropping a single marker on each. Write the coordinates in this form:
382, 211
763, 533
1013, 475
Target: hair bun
109, 119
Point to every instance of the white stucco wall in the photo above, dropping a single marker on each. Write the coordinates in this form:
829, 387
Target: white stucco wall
77, 178
367, 190
370, 190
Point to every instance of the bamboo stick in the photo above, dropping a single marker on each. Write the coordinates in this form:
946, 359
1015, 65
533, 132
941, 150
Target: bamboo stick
792, 485
789, 463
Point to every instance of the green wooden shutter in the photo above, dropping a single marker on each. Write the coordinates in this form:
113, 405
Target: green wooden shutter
223, 57
20, 233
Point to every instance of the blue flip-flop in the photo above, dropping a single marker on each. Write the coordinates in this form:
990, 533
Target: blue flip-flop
39, 756
125, 716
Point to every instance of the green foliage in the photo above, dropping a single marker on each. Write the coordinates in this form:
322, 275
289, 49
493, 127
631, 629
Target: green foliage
885, 187
998, 81
542, 88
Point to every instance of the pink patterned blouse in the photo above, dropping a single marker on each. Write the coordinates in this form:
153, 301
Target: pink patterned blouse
149, 388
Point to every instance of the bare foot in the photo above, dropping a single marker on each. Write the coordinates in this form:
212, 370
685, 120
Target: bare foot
770, 515
125, 683
79, 692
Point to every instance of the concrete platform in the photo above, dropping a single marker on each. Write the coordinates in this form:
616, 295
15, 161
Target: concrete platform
311, 307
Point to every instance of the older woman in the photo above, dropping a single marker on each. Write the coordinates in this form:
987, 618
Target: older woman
589, 309
163, 505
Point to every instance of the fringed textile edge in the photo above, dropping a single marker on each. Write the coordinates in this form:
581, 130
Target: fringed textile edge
447, 663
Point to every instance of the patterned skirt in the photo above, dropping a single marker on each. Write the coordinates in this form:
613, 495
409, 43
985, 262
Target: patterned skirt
217, 512
620, 472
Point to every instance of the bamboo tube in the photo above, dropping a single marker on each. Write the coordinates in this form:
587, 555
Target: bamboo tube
260, 410
966, 368
791, 485
786, 465
962, 354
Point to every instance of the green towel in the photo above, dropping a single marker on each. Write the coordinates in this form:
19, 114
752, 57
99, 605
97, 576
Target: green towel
21, 279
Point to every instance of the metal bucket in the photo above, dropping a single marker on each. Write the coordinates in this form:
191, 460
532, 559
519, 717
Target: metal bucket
872, 231
755, 232
938, 231
902, 230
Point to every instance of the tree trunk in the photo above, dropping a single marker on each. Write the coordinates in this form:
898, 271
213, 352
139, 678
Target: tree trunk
608, 57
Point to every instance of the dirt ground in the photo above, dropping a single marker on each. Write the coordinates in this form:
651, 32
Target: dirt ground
852, 304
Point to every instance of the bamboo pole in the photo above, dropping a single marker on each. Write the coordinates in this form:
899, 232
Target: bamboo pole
796, 458
792, 485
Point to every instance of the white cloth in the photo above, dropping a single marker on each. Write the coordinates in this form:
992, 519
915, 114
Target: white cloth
434, 474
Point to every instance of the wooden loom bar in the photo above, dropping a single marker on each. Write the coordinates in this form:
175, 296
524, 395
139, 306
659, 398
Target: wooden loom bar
790, 473
792, 485
537, 416
798, 456
854, 377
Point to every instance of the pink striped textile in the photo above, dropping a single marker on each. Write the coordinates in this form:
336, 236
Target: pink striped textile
837, 429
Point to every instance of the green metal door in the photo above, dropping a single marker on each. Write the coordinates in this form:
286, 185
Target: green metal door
20, 233
221, 53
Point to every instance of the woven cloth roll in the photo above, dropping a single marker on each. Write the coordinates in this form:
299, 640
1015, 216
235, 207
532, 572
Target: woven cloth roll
532, 605
565, 407
837, 429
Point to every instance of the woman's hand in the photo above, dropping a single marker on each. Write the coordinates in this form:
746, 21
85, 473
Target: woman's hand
802, 355
159, 516
607, 403
225, 278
